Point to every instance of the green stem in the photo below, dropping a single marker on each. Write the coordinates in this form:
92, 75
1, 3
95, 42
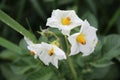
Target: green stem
70, 61
48, 32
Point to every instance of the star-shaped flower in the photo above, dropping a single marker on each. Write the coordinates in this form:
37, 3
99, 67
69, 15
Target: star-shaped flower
51, 54
64, 20
83, 41
47, 53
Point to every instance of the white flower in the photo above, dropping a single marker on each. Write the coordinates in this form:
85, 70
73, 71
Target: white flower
51, 54
46, 52
64, 20
84, 41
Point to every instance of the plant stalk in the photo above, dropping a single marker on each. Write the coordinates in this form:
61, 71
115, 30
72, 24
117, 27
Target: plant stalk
70, 61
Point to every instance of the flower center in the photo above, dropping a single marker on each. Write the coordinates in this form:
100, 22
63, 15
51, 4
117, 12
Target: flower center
51, 52
66, 21
32, 52
81, 39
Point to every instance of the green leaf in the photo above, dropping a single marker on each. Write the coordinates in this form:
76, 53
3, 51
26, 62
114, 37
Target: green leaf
16, 26
98, 73
7, 44
101, 64
9, 75
8, 55
47, 76
80, 60
24, 64
111, 42
39, 76
111, 54
19, 70
42, 73
111, 47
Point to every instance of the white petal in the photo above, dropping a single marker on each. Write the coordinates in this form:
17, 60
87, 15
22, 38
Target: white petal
86, 28
74, 45
35, 47
91, 40
46, 46
45, 58
76, 21
57, 14
75, 49
90, 36
55, 61
59, 53
86, 49
52, 22
66, 32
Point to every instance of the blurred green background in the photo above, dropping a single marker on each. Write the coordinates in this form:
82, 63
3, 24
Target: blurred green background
102, 14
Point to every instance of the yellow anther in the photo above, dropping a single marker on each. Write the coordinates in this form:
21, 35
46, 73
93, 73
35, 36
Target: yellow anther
66, 21
32, 52
51, 52
81, 39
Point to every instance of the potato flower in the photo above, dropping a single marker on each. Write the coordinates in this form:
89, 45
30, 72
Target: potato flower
51, 54
64, 20
83, 41
47, 53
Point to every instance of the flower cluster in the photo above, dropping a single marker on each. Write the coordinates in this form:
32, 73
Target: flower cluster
83, 41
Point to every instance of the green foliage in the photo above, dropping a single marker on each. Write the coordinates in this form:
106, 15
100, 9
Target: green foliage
16, 63
8, 55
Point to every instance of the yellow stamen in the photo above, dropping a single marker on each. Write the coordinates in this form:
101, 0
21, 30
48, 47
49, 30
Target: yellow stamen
81, 39
66, 21
32, 52
51, 52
